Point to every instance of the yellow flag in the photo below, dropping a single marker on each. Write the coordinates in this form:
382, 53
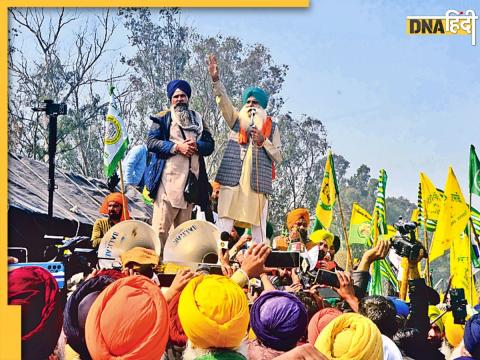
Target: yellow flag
452, 219
326, 198
461, 267
432, 198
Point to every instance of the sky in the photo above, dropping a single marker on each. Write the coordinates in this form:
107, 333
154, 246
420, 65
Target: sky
388, 100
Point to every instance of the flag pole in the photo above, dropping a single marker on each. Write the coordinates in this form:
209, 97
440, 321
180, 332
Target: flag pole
425, 243
404, 285
122, 190
347, 243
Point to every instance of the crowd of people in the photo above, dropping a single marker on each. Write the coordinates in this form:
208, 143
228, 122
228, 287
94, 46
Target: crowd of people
251, 311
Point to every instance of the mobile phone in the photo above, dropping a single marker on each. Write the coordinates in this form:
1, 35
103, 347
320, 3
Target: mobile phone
20, 253
283, 259
329, 278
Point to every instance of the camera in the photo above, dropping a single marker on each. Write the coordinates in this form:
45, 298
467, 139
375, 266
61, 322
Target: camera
405, 242
458, 305
52, 108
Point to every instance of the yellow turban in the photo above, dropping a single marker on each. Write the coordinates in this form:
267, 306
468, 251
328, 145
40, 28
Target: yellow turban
453, 332
433, 313
213, 311
140, 256
351, 336
320, 235
297, 214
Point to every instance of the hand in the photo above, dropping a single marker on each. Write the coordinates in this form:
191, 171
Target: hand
346, 290
12, 260
294, 288
212, 67
304, 352
181, 280
257, 135
254, 262
186, 149
378, 252
243, 240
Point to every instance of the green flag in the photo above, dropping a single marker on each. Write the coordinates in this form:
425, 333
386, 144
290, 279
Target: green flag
474, 172
116, 139
381, 268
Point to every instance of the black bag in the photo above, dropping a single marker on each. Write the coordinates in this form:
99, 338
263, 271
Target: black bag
190, 193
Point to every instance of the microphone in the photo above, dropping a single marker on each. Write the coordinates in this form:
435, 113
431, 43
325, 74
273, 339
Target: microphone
225, 236
253, 111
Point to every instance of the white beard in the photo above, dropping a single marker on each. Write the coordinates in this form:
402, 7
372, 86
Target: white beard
258, 119
191, 353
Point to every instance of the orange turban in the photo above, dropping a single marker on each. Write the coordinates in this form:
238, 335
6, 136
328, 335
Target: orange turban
140, 256
297, 214
214, 312
116, 197
128, 321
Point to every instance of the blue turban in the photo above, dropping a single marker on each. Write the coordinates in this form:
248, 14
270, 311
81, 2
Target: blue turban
178, 84
401, 306
257, 93
279, 320
471, 336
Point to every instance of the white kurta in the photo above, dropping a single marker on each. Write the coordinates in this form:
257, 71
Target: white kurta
240, 202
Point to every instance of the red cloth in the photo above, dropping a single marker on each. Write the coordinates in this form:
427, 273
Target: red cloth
36, 290
116, 197
177, 335
318, 322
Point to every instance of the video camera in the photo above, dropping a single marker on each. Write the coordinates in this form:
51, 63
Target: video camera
405, 242
458, 305
51, 108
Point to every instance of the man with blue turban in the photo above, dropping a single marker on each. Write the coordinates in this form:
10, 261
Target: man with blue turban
178, 140
247, 169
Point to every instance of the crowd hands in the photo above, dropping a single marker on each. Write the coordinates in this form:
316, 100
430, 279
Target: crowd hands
203, 316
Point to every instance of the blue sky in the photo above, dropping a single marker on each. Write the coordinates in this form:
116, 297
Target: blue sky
407, 104
404, 103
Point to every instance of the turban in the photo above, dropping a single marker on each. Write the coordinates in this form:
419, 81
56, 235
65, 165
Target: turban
116, 197
318, 322
260, 95
222, 355
351, 336
128, 320
177, 335
76, 310
178, 84
390, 350
471, 336
213, 311
36, 290
453, 332
140, 256
279, 319
320, 235
433, 313
297, 214
401, 306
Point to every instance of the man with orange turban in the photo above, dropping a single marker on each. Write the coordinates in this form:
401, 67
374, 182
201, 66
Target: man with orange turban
113, 206
129, 320
213, 311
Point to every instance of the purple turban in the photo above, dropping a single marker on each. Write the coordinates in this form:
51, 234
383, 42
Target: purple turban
178, 84
471, 336
278, 319
76, 310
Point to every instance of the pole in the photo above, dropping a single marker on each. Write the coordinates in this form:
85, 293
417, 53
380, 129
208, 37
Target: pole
52, 149
347, 243
404, 285
122, 190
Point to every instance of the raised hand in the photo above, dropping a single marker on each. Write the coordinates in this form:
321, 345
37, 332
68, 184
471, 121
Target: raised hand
212, 67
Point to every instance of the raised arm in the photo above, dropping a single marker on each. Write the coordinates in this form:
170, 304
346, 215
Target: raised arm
229, 113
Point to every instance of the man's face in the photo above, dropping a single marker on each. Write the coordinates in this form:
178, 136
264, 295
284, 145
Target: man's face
252, 103
435, 336
323, 252
332, 251
114, 211
215, 193
179, 97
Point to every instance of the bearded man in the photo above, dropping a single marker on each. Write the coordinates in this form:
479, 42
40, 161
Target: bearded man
247, 169
113, 207
178, 139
